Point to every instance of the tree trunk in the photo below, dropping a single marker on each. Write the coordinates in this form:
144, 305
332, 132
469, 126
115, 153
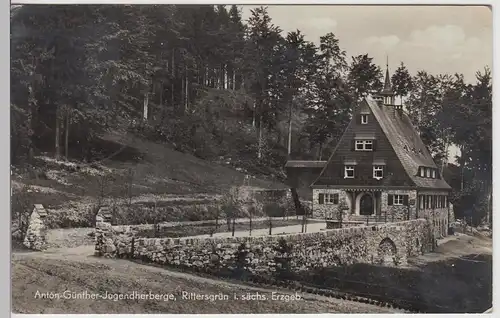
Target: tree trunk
146, 104
320, 151
445, 159
253, 118
183, 90
57, 134
162, 119
66, 132
172, 97
250, 217
259, 150
462, 167
234, 79
290, 131
298, 206
186, 94
234, 225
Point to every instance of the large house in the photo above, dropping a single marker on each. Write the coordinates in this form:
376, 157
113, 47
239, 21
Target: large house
379, 169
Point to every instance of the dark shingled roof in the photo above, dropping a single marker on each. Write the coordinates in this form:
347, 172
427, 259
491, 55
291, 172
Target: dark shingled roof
407, 143
304, 164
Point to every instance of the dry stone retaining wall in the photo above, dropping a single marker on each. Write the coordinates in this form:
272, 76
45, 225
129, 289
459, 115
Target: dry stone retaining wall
260, 253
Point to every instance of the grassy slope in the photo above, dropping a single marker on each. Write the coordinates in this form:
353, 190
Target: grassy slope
119, 276
156, 167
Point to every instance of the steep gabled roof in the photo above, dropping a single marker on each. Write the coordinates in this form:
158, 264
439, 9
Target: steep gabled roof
407, 143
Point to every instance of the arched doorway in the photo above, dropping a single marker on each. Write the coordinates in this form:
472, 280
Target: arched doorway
366, 205
386, 252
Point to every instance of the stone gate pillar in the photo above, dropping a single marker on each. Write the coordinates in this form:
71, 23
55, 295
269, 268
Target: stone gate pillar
35, 237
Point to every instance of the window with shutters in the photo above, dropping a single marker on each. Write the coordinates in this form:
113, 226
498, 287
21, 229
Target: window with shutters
331, 198
328, 198
364, 119
364, 145
348, 172
378, 172
398, 199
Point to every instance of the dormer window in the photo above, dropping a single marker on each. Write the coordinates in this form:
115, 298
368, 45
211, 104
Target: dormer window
364, 119
378, 172
426, 172
364, 145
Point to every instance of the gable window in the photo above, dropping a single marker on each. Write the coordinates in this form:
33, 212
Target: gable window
433, 173
428, 172
364, 145
348, 172
378, 172
364, 119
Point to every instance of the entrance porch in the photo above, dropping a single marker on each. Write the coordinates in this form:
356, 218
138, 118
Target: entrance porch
365, 202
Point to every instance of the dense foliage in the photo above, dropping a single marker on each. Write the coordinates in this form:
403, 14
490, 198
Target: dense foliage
202, 80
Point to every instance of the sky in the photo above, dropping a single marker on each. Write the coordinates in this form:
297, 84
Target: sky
438, 39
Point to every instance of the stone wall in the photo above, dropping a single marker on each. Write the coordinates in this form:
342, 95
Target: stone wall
35, 237
400, 212
395, 213
331, 211
438, 221
390, 244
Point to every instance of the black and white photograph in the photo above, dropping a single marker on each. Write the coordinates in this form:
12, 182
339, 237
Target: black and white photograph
251, 159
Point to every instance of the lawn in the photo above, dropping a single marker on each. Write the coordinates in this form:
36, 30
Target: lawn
44, 275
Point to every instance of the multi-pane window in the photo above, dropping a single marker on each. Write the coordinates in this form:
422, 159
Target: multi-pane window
378, 172
428, 202
426, 172
422, 171
328, 198
331, 198
398, 199
364, 145
364, 119
349, 172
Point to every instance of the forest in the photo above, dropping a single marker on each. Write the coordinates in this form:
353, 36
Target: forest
208, 83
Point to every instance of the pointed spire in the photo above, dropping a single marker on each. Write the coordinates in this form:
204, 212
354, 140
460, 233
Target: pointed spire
387, 90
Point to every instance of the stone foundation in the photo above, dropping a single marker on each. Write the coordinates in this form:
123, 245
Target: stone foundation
397, 213
390, 244
35, 237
